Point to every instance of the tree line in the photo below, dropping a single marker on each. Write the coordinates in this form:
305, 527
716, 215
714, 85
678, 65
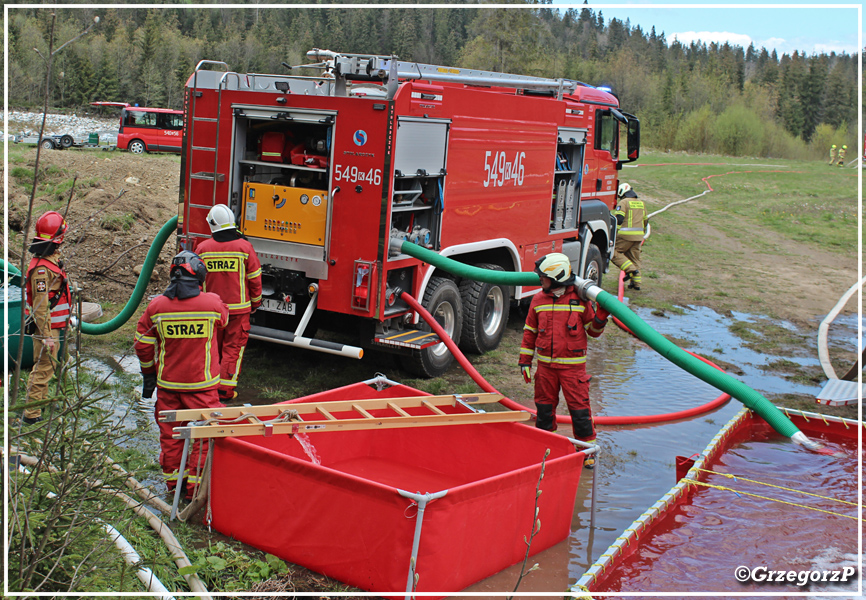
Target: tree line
697, 97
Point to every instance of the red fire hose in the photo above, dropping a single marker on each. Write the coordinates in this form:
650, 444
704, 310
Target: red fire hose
602, 420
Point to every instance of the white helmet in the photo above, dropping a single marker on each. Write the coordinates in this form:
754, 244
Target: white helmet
220, 217
623, 189
556, 266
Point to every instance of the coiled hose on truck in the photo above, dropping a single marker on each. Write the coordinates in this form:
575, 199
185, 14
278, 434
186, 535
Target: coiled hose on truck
718, 379
140, 286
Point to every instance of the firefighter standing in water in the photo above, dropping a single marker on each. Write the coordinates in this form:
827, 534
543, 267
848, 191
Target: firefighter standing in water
176, 346
555, 333
840, 157
48, 306
235, 275
631, 223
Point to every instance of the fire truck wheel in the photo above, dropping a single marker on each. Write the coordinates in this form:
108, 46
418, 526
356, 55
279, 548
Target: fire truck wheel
593, 265
442, 300
66, 141
485, 313
47, 144
137, 147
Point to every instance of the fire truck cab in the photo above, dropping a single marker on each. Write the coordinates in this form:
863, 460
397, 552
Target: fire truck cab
324, 171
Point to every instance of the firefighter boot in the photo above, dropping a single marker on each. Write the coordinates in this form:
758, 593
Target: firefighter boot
581, 425
545, 419
635, 280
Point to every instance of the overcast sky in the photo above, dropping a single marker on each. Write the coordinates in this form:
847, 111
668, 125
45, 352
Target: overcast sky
813, 27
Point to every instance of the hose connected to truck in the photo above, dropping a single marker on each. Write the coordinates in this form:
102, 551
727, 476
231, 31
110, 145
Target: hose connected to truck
140, 286
587, 289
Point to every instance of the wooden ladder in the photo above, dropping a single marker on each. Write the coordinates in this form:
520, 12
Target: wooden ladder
348, 415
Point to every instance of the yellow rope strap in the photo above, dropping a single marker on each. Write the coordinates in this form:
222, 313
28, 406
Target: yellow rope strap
778, 487
726, 489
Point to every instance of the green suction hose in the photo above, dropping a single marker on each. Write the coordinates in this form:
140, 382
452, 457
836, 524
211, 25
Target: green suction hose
718, 379
14, 273
140, 286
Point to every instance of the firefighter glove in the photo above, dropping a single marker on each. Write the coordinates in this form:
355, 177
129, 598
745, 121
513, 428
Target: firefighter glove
601, 313
526, 370
148, 385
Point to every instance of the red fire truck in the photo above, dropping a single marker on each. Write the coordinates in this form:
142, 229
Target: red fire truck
324, 171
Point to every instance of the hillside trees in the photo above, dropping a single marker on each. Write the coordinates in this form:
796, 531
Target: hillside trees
144, 55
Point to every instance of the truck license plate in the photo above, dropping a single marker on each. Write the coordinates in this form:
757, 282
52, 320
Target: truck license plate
278, 306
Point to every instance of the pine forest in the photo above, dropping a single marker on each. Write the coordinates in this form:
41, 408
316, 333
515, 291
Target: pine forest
696, 98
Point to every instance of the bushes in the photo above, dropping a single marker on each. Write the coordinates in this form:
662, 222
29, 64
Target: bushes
738, 132
695, 134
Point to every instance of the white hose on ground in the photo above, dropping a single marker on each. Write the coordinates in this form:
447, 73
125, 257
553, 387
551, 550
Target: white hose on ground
823, 352
661, 210
180, 559
132, 558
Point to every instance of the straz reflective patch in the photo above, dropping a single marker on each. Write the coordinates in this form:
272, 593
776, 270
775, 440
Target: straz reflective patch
41, 286
185, 329
221, 264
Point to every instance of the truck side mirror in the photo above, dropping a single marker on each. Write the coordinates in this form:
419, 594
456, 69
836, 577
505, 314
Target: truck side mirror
633, 139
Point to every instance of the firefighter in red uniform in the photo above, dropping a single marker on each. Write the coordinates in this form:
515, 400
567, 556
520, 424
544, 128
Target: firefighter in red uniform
48, 305
176, 346
555, 332
235, 275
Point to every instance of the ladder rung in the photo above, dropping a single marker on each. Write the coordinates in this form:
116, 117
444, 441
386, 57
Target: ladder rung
398, 410
360, 410
433, 407
208, 176
326, 414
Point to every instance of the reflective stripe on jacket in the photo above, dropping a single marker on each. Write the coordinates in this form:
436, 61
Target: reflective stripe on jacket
176, 338
233, 273
633, 225
556, 329
51, 296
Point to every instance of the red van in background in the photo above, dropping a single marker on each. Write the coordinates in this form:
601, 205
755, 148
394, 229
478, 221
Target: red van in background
145, 129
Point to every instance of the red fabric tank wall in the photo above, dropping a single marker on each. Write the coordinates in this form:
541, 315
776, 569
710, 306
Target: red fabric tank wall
345, 518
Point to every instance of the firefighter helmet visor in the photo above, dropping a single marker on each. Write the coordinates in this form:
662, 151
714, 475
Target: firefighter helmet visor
188, 265
220, 217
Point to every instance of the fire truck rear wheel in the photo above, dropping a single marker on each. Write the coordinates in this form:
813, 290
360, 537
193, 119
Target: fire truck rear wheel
485, 313
137, 147
593, 268
442, 300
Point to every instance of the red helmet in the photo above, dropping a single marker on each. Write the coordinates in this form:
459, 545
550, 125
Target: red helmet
187, 265
50, 227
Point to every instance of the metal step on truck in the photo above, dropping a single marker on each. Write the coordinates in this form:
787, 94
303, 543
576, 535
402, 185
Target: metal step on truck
324, 170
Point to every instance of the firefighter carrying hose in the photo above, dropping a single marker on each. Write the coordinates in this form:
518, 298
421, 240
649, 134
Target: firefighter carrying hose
631, 220
555, 332
48, 305
176, 347
840, 157
235, 275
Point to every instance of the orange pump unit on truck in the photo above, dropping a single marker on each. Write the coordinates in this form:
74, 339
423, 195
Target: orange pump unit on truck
323, 172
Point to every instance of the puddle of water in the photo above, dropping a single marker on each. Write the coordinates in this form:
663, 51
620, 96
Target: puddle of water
637, 464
